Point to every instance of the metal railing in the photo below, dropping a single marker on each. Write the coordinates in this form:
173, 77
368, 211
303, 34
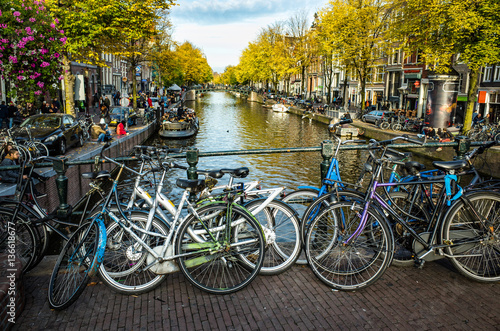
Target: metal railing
192, 155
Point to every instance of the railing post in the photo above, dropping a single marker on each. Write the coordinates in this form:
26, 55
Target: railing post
60, 168
192, 159
326, 153
462, 147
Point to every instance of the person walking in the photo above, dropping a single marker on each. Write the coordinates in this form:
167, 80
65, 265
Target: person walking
12, 110
107, 103
4, 114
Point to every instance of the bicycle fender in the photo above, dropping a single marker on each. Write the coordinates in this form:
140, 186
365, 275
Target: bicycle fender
447, 184
101, 248
308, 187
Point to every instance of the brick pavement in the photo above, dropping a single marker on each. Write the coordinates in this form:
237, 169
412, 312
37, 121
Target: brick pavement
436, 297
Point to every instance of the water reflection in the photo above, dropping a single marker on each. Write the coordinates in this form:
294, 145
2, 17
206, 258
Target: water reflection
230, 123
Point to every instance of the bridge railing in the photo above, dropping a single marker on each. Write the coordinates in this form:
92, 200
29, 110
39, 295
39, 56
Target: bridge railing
192, 155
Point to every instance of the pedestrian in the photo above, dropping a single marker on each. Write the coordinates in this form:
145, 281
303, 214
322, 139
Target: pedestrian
12, 110
104, 112
117, 98
107, 103
4, 114
150, 102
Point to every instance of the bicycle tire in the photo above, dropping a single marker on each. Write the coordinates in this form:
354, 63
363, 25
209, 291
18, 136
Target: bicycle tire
385, 125
42, 150
17, 237
396, 127
281, 227
478, 257
77, 262
300, 200
353, 265
403, 241
212, 261
123, 259
497, 138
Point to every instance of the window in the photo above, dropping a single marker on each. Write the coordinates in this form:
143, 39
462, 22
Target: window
496, 76
487, 74
379, 74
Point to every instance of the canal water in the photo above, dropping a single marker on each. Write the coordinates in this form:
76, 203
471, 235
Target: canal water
231, 123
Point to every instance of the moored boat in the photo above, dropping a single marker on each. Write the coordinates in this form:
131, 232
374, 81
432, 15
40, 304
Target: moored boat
184, 125
280, 108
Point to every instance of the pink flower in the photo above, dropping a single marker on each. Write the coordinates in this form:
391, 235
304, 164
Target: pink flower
56, 20
32, 19
38, 92
52, 25
61, 77
40, 84
44, 64
61, 31
63, 40
13, 59
16, 13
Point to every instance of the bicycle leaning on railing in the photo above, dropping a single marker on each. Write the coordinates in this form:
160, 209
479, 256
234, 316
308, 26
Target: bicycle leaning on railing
219, 246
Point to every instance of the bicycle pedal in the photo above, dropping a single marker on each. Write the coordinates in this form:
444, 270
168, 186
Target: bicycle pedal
419, 263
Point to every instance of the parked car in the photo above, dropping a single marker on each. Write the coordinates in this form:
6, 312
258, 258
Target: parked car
375, 115
56, 131
118, 114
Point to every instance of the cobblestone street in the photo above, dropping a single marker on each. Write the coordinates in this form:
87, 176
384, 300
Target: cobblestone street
436, 297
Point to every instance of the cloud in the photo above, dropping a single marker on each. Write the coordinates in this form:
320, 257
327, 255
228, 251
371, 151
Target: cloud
228, 11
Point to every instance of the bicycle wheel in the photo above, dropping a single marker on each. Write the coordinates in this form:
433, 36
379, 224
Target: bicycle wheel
474, 246
300, 200
18, 237
77, 262
385, 125
497, 138
323, 202
122, 268
343, 258
40, 149
213, 246
396, 127
403, 240
281, 227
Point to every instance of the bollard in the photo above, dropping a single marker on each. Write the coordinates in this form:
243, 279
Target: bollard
326, 153
192, 157
60, 168
462, 147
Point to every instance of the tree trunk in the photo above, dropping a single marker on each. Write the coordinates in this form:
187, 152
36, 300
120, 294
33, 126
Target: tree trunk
302, 82
346, 93
363, 87
69, 86
471, 97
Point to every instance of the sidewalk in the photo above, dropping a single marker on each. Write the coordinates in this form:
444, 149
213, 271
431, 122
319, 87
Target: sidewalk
435, 297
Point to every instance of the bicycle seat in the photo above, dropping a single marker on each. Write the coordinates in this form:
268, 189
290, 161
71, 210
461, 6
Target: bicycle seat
450, 165
96, 175
414, 166
210, 173
237, 173
192, 184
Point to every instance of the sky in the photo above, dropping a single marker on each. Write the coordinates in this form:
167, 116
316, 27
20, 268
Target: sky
222, 29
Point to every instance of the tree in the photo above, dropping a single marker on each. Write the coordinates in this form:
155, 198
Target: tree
195, 68
94, 27
304, 43
441, 29
354, 29
30, 44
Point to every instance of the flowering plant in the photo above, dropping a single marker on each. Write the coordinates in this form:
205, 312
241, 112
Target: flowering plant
30, 47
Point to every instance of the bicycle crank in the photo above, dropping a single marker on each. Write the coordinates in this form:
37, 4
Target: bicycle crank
165, 267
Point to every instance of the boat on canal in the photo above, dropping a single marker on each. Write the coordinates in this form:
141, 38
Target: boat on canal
280, 108
179, 124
